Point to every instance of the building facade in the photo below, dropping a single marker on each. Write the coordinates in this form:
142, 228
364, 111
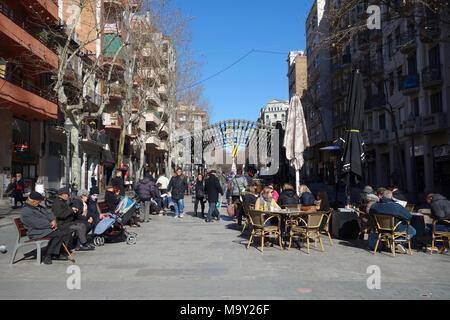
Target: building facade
275, 111
297, 73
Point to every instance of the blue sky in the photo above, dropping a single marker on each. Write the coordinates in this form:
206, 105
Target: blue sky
224, 31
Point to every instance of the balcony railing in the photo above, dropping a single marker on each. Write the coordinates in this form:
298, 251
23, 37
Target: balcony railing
22, 81
40, 35
431, 76
91, 134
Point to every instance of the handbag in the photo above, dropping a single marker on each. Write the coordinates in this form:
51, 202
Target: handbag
230, 210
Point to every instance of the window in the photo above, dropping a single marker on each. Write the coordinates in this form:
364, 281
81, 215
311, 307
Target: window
391, 84
434, 56
399, 78
415, 107
412, 65
436, 102
397, 37
382, 121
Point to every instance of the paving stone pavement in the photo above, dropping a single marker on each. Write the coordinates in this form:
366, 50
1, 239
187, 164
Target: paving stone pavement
190, 259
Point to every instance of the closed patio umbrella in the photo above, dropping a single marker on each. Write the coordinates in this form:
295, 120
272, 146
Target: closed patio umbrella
353, 154
296, 137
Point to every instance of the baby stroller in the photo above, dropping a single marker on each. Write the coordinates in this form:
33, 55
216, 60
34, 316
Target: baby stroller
112, 228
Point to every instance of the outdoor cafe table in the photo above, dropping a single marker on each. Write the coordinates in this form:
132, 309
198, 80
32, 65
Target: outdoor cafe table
286, 214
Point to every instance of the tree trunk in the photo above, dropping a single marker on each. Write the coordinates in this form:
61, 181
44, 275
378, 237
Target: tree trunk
75, 163
141, 161
121, 146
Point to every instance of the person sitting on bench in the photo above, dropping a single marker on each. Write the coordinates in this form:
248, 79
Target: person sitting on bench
41, 223
65, 219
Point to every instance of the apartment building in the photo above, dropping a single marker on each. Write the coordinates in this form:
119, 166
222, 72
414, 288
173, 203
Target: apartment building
297, 73
26, 99
275, 112
406, 71
316, 98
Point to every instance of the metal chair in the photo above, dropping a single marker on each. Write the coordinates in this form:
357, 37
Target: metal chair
439, 236
246, 207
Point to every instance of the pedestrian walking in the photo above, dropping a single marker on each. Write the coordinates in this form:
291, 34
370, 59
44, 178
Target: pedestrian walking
10, 191
213, 189
200, 196
164, 181
177, 188
19, 187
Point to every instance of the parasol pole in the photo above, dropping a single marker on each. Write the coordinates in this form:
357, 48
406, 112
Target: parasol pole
297, 181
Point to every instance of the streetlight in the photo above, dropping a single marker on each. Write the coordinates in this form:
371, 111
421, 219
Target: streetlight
410, 126
68, 125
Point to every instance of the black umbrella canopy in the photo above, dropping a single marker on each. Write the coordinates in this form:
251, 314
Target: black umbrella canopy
353, 155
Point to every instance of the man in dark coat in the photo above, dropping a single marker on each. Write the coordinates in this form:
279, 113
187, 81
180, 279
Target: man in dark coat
177, 187
19, 188
387, 206
65, 218
146, 191
41, 223
200, 196
213, 188
440, 209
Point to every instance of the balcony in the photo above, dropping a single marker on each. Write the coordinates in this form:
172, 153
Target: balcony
112, 121
410, 84
94, 136
163, 75
111, 28
23, 96
154, 142
116, 93
163, 92
407, 43
153, 98
434, 122
152, 119
19, 37
367, 136
380, 136
114, 4
431, 77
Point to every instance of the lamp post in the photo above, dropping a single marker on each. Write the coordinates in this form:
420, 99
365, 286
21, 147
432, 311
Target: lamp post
411, 124
68, 125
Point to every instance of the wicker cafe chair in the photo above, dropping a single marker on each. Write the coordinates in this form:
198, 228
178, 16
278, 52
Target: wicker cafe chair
308, 228
439, 236
326, 228
410, 207
386, 226
366, 223
246, 207
257, 221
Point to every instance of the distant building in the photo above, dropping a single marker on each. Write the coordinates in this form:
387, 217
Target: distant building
297, 73
275, 111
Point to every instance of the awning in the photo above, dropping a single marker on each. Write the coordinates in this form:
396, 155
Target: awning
330, 148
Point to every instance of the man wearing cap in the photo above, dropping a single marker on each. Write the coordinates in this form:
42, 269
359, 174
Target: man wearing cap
65, 218
41, 223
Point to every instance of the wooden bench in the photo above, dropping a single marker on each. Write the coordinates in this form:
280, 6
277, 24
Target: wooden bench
22, 233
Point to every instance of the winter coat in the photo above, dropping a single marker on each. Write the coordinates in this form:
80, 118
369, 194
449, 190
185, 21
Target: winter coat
397, 194
288, 197
19, 187
213, 188
307, 199
200, 189
177, 186
250, 198
37, 221
238, 185
390, 208
63, 212
146, 189
440, 207
261, 204
111, 201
